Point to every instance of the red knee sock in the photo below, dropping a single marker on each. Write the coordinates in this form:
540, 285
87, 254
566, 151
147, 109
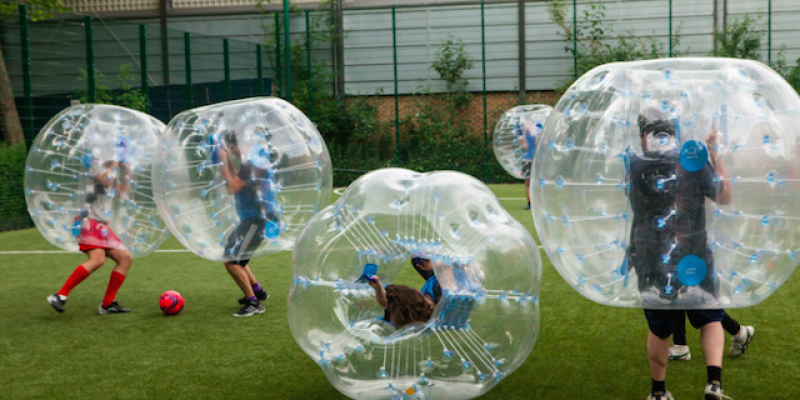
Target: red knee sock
113, 287
77, 277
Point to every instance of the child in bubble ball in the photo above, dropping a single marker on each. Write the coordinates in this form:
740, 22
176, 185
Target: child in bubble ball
660, 186
401, 307
95, 237
254, 217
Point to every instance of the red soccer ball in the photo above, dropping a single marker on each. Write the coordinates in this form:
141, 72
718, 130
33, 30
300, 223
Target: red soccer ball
171, 302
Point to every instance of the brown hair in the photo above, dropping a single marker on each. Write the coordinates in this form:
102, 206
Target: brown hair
407, 305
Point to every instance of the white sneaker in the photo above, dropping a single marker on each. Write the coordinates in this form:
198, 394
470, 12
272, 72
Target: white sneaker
660, 396
679, 353
742, 341
714, 392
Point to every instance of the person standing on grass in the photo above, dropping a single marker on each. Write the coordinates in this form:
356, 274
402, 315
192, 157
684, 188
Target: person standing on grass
741, 336
683, 198
95, 237
255, 216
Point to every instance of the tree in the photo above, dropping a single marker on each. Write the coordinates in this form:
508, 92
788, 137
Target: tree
9, 12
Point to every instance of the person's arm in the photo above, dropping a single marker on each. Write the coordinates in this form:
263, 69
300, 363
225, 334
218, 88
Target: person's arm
232, 181
380, 292
107, 177
124, 186
724, 196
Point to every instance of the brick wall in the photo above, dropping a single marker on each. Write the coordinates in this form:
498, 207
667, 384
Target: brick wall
496, 105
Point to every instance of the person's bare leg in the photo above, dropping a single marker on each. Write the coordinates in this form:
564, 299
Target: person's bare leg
250, 276
123, 259
658, 352
712, 339
97, 257
240, 276
528, 190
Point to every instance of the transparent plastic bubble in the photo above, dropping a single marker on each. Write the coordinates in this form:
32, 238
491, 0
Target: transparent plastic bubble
88, 180
239, 179
672, 184
484, 325
516, 135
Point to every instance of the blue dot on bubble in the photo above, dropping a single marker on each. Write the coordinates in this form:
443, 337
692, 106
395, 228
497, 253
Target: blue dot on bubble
694, 156
691, 270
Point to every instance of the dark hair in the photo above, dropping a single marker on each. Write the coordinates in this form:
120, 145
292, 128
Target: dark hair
407, 305
654, 120
230, 138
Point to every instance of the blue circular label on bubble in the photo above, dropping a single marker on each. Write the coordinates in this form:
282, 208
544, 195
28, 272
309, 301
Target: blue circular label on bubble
691, 270
272, 229
694, 156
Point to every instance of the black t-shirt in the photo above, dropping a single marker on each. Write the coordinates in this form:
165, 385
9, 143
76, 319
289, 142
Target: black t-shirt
668, 206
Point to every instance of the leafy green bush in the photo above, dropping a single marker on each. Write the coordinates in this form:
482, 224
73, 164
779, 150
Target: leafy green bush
13, 210
597, 43
124, 96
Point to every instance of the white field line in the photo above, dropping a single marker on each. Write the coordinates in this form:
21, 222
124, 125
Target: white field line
33, 252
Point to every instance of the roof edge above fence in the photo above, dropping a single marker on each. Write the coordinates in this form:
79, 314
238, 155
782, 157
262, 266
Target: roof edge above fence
250, 10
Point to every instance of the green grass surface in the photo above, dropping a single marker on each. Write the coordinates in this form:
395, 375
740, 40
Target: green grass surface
585, 350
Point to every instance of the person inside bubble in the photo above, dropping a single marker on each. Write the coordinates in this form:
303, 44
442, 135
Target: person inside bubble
668, 203
402, 307
529, 133
254, 214
107, 180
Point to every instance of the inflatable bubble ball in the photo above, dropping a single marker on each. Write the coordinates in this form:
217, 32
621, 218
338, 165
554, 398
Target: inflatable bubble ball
88, 182
239, 179
515, 136
479, 327
672, 184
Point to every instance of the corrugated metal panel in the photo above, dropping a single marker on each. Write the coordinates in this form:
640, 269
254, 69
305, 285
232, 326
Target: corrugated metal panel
178, 4
91, 6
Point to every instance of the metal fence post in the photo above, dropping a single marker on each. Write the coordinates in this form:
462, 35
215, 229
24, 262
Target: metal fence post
90, 72
310, 80
226, 55
288, 50
278, 72
259, 72
396, 95
187, 56
143, 62
769, 32
483, 66
670, 28
25, 46
521, 51
575, 36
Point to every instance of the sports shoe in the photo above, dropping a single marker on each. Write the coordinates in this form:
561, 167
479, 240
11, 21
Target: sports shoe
57, 301
251, 307
714, 392
739, 344
113, 308
261, 295
528, 207
661, 396
679, 353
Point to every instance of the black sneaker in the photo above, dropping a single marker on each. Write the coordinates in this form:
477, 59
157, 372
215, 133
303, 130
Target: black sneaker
113, 308
261, 295
250, 308
57, 302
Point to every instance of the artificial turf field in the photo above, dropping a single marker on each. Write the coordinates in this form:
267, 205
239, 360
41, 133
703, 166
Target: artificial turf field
584, 351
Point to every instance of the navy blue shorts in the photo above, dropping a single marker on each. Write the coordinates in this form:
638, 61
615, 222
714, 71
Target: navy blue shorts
244, 240
664, 322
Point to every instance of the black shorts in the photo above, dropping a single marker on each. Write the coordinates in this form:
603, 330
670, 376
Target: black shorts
244, 240
526, 169
664, 322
